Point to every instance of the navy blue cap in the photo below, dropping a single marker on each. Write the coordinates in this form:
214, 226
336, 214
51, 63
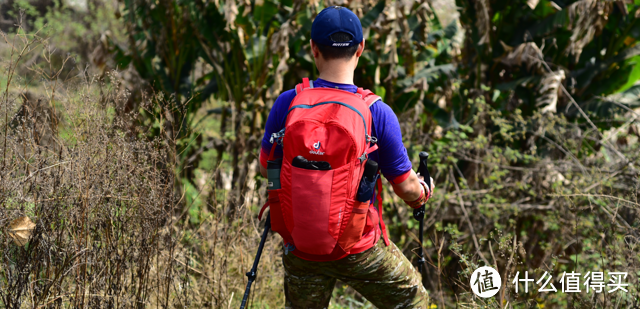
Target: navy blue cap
336, 19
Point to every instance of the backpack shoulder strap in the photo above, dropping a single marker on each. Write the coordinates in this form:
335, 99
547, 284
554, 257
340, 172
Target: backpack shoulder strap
306, 84
368, 96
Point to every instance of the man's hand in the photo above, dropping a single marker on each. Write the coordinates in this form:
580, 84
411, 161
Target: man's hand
433, 185
429, 191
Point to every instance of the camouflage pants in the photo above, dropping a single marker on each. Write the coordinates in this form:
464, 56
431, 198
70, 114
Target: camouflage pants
382, 274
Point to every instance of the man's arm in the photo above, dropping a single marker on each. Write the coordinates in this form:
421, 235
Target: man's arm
392, 155
263, 171
410, 189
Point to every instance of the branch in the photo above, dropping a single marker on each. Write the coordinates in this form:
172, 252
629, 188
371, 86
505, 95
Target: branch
466, 216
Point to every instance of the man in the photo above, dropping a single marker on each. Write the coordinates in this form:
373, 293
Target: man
379, 272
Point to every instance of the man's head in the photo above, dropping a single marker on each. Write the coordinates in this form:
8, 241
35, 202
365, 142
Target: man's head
336, 36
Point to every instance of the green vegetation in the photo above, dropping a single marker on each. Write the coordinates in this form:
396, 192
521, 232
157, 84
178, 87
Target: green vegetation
529, 110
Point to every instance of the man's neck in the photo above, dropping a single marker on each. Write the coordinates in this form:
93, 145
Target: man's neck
338, 72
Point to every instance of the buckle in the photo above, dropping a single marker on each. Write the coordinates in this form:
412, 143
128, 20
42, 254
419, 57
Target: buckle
277, 137
362, 157
372, 139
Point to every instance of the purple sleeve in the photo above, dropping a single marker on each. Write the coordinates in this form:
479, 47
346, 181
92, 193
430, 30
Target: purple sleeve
276, 120
391, 155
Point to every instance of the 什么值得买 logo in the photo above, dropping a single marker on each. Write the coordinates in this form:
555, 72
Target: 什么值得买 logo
485, 282
317, 151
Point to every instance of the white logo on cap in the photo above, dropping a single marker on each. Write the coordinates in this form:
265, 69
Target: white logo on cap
340, 44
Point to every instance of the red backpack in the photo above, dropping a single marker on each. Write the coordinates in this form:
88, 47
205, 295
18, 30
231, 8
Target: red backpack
315, 211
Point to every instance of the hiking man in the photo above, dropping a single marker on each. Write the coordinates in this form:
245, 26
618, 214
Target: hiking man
327, 233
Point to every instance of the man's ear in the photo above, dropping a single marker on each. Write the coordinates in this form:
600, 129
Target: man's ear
360, 49
314, 49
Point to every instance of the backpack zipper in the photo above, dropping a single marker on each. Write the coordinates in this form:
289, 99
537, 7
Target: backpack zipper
306, 106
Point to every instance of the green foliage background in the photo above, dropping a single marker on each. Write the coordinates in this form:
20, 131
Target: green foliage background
529, 109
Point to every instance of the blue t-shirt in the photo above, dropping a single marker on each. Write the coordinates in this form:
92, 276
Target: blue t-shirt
391, 155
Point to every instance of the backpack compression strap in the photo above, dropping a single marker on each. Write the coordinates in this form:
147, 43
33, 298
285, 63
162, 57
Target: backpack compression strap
270, 158
266, 204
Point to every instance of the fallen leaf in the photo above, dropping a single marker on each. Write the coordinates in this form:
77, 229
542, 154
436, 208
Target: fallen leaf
20, 230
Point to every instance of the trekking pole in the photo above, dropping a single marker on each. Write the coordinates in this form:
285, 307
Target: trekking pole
252, 273
418, 213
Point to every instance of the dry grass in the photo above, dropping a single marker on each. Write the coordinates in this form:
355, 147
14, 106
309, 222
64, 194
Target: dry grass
99, 198
110, 229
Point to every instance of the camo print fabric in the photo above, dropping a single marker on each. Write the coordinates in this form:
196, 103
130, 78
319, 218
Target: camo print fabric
383, 275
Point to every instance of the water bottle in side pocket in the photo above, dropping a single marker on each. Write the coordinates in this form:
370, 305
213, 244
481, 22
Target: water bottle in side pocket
273, 174
368, 181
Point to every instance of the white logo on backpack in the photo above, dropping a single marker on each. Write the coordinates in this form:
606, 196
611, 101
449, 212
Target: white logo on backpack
317, 147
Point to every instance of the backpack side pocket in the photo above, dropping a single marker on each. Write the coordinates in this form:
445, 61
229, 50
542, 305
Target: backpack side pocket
353, 232
275, 209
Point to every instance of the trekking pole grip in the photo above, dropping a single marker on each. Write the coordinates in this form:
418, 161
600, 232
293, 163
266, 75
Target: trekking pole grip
423, 169
418, 213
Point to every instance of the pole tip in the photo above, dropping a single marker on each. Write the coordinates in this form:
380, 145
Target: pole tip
424, 155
